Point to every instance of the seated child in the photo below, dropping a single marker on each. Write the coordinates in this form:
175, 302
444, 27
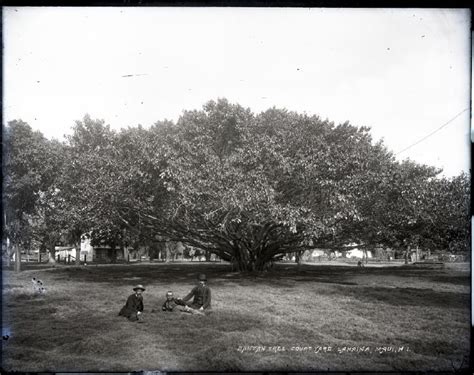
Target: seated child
172, 303
177, 304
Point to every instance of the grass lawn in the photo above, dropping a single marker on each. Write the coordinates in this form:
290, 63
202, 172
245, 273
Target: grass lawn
75, 327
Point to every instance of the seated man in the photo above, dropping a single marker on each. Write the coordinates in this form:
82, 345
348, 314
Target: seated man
202, 296
133, 308
171, 303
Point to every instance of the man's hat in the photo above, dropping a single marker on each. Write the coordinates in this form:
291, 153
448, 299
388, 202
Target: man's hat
139, 286
170, 293
202, 277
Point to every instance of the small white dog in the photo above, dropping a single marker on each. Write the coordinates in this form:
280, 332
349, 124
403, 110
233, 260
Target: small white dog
38, 286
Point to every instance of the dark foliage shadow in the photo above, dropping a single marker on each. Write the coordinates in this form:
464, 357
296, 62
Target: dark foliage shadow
404, 296
282, 275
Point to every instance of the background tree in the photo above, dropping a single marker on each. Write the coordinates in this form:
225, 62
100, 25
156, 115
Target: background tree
28, 176
393, 207
48, 218
449, 206
247, 187
115, 179
138, 185
88, 186
251, 188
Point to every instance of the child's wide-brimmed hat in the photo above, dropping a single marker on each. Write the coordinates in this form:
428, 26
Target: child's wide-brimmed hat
139, 286
202, 277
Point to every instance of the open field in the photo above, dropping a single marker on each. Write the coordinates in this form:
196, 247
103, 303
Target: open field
75, 325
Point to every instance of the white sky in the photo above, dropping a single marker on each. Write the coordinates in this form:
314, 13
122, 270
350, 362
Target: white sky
402, 72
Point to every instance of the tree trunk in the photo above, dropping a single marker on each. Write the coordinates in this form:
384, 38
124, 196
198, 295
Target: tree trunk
8, 255
152, 252
113, 254
17, 258
406, 254
51, 257
245, 261
242, 265
7, 242
51, 254
234, 264
168, 251
78, 253
298, 257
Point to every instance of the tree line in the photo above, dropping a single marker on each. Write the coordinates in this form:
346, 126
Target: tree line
248, 187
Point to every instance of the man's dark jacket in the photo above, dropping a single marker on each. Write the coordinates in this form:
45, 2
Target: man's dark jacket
202, 297
133, 305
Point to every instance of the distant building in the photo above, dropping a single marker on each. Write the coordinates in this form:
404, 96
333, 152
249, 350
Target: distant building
63, 252
102, 252
358, 253
353, 252
317, 253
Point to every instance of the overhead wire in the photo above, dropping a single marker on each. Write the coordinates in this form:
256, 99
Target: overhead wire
433, 132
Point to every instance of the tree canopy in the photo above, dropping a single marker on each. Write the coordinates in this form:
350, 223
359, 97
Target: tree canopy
247, 187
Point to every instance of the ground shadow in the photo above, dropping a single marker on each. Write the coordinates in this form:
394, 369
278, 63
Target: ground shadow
405, 296
284, 275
